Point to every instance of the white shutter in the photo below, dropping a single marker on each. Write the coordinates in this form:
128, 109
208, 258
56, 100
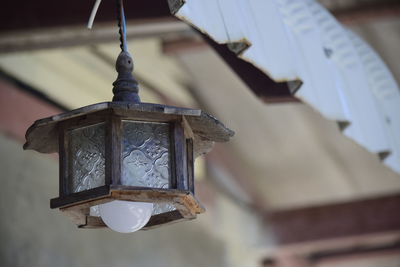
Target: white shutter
343, 78
386, 93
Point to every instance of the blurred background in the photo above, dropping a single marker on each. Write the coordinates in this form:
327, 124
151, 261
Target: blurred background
288, 190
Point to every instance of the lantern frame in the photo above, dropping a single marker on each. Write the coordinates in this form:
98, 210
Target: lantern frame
192, 133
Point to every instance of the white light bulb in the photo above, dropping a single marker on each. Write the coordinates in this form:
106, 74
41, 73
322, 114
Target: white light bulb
125, 216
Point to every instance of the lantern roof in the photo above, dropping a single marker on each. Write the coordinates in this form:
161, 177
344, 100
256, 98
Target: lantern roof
42, 135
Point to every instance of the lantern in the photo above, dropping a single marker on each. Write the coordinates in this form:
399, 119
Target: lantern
127, 164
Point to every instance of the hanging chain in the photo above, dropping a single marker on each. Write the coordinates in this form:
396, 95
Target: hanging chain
120, 18
121, 25
125, 86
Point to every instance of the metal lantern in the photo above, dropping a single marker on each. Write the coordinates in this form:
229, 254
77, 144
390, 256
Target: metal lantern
127, 150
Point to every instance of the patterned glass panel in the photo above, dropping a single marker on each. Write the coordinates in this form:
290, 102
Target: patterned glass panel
159, 208
145, 154
86, 157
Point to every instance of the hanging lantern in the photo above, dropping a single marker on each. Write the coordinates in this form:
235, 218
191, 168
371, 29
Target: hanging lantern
125, 164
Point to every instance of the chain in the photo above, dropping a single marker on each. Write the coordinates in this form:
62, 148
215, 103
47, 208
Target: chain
120, 18
121, 25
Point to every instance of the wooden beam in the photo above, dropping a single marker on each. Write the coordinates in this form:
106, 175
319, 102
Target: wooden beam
359, 251
183, 45
69, 36
31, 25
365, 13
333, 251
354, 218
28, 15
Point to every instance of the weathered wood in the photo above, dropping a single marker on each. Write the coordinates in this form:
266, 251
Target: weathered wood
79, 197
141, 194
187, 129
84, 206
163, 219
190, 130
63, 162
184, 210
173, 182
190, 164
187, 206
114, 149
108, 151
77, 216
180, 156
201, 146
42, 136
93, 222
353, 218
193, 205
87, 119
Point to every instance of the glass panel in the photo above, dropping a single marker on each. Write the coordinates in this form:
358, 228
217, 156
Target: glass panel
86, 157
94, 211
159, 208
145, 154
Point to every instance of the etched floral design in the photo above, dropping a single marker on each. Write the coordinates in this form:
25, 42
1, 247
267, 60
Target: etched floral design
86, 157
145, 155
135, 166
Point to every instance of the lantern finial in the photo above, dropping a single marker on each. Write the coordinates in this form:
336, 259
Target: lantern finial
125, 87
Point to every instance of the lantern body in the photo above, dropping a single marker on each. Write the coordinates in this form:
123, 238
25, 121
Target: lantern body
104, 149
136, 152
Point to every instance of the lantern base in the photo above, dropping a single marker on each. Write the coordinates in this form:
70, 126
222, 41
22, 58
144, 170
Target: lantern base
186, 205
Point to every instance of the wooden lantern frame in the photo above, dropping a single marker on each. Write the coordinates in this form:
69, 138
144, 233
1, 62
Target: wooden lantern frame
192, 133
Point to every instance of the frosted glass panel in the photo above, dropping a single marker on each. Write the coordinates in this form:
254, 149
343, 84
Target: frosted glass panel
145, 154
86, 157
159, 208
